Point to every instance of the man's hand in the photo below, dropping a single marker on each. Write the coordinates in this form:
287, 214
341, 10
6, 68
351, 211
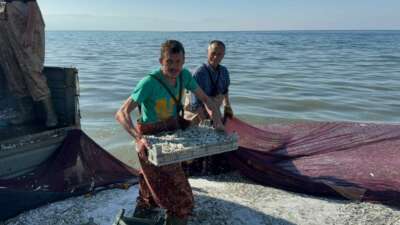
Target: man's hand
141, 147
228, 113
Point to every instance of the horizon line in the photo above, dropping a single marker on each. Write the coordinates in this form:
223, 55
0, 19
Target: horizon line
181, 31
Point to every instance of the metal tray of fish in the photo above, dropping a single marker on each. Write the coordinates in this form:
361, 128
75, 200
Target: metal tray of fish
193, 142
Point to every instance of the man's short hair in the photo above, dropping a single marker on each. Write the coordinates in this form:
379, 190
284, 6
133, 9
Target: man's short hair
171, 47
217, 42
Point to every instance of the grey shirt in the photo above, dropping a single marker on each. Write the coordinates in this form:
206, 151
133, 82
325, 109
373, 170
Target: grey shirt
212, 82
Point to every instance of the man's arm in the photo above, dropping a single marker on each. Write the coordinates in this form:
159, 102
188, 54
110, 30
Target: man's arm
212, 109
228, 112
197, 74
225, 101
123, 116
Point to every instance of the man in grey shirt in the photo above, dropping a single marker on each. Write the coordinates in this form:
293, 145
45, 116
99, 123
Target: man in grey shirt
214, 79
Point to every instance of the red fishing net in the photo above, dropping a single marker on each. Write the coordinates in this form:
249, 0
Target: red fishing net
79, 166
353, 160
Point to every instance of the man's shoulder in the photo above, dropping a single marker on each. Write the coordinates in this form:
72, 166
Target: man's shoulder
222, 67
156, 72
186, 72
148, 78
224, 71
202, 69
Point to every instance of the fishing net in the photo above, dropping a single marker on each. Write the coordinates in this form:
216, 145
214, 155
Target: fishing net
79, 166
358, 161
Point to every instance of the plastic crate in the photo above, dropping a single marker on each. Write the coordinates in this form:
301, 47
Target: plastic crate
189, 145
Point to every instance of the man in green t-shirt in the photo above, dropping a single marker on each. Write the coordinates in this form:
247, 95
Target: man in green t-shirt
158, 96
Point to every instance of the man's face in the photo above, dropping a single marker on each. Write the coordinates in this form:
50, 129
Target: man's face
215, 55
172, 64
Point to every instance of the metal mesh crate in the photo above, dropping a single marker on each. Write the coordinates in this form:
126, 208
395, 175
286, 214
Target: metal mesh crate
194, 142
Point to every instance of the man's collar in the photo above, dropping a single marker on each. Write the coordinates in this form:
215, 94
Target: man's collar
212, 68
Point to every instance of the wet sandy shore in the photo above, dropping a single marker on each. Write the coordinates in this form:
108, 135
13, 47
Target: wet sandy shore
220, 200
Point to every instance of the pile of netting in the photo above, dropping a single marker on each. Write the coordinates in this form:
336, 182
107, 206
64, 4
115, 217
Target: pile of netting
78, 167
358, 161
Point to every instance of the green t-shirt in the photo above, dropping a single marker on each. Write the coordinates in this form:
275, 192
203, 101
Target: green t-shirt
155, 101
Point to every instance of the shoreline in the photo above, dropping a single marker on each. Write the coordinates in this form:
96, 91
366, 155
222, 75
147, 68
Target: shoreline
222, 199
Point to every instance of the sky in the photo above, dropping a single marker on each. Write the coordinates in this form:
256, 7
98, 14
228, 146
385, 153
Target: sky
221, 15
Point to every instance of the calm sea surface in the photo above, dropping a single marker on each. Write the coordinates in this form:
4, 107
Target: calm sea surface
275, 76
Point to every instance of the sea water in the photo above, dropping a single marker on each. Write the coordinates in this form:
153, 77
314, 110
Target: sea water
276, 76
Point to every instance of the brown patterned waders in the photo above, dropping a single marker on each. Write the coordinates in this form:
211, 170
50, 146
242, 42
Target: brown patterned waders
164, 186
